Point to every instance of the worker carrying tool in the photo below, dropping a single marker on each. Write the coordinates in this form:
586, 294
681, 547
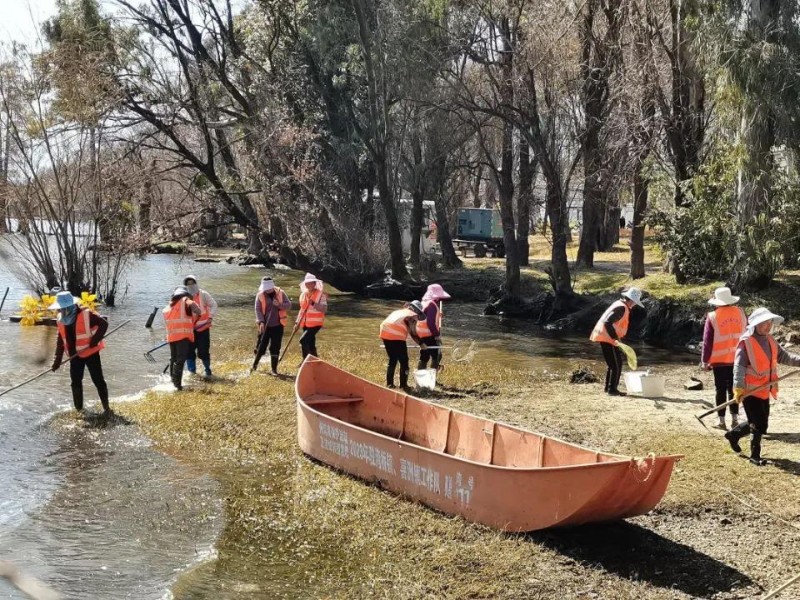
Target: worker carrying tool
429, 329
394, 331
201, 347
271, 308
180, 316
313, 307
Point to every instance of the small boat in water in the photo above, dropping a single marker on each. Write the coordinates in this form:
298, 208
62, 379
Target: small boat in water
461, 464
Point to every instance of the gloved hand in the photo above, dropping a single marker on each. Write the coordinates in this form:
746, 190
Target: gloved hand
705, 366
55, 366
738, 395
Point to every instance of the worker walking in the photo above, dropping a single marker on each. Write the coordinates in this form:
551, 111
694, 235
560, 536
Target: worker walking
429, 329
271, 306
80, 335
180, 316
609, 331
723, 328
313, 306
755, 364
394, 331
201, 347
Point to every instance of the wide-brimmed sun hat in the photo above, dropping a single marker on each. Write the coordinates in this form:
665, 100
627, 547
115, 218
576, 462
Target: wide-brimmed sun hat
761, 315
635, 295
63, 300
310, 278
180, 291
723, 297
436, 292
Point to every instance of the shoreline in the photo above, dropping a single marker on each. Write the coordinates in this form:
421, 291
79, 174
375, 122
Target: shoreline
295, 526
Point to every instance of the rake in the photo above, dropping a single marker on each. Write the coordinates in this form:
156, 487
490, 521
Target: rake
148, 355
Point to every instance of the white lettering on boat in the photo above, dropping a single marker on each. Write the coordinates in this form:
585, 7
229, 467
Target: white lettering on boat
334, 439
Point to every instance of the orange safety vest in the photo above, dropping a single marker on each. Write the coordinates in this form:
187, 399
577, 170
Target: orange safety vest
83, 335
728, 323
180, 326
394, 327
423, 330
599, 333
309, 315
262, 298
203, 321
762, 368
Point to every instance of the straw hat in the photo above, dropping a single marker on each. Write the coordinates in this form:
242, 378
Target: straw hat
63, 300
635, 295
723, 297
761, 315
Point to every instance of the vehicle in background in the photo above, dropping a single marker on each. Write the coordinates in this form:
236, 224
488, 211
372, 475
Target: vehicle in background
481, 229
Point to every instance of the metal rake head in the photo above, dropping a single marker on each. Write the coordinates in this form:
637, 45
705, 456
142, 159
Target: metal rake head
149, 357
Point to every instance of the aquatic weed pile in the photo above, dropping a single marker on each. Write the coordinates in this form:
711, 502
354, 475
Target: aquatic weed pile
295, 528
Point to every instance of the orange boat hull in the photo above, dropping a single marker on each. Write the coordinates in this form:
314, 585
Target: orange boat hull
485, 471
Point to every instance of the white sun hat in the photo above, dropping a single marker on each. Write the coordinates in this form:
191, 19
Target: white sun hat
634, 294
63, 300
723, 297
761, 315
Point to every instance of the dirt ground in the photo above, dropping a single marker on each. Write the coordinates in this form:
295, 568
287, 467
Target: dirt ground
295, 528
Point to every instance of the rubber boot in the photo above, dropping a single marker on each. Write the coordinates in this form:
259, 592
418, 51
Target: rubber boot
207, 366
77, 396
735, 434
104, 402
191, 365
734, 420
606, 388
755, 450
273, 361
404, 378
722, 423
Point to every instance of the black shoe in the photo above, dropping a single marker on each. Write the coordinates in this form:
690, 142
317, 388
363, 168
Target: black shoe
390, 386
759, 462
733, 441
616, 393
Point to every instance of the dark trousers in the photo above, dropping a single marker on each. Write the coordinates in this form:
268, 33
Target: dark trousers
435, 356
723, 383
77, 367
271, 339
201, 348
757, 411
308, 341
613, 357
178, 353
398, 354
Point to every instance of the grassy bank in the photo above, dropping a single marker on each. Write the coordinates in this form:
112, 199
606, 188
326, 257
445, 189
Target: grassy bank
296, 528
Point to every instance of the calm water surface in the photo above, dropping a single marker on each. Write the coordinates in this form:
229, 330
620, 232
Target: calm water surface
98, 513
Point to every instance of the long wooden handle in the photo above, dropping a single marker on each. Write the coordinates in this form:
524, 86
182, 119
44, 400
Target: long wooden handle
4, 299
778, 590
747, 393
43, 373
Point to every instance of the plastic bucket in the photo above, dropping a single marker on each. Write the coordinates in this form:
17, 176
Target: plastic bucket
633, 381
425, 378
653, 386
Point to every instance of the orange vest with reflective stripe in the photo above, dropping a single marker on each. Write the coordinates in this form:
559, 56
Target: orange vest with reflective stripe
262, 298
762, 368
728, 323
309, 315
599, 333
83, 335
394, 327
180, 326
423, 330
202, 323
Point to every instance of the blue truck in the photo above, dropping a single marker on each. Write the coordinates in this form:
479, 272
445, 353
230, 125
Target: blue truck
481, 229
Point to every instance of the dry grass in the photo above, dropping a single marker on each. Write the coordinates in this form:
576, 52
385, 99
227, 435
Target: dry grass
296, 528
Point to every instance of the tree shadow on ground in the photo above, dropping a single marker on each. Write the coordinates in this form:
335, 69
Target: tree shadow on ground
786, 465
633, 552
788, 438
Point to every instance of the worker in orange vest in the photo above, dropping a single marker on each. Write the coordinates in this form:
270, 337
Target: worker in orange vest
394, 331
201, 347
180, 316
755, 364
80, 334
313, 306
609, 331
271, 316
724, 326
430, 328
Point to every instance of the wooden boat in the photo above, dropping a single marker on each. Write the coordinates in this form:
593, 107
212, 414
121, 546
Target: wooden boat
485, 471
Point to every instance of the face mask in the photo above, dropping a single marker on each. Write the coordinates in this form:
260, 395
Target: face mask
194, 289
68, 315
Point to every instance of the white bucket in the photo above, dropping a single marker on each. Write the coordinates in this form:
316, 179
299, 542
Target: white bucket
653, 386
425, 378
633, 381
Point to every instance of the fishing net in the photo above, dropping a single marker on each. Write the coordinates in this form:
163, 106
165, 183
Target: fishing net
464, 350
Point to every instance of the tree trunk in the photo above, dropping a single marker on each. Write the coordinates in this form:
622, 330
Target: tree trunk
559, 266
417, 198
524, 201
609, 231
144, 221
476, 186
398, 264
641, 191
5, 148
